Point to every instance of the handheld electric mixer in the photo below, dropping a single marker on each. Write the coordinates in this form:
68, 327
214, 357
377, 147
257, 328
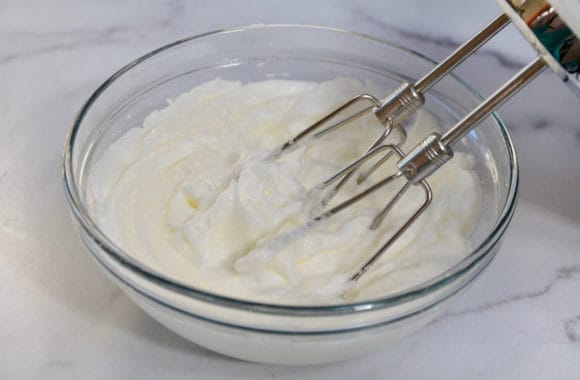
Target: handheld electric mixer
552, 29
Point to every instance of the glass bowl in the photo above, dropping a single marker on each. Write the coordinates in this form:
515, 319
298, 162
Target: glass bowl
276, 333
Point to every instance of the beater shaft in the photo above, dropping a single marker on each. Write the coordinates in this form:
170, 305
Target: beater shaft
430, 154
462, 52
498, 98
408, 98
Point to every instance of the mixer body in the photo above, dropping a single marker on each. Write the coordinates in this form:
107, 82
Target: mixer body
551, 28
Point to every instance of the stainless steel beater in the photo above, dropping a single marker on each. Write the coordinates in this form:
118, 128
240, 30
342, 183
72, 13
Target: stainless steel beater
558, 48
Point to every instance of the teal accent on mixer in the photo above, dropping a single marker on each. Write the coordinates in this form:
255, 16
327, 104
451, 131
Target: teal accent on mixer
558, 42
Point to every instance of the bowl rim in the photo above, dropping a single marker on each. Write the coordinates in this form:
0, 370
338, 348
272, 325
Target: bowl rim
82, 215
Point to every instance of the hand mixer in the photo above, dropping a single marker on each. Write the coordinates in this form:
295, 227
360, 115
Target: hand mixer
551, 27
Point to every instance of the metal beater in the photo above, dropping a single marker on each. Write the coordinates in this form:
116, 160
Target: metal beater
543, 27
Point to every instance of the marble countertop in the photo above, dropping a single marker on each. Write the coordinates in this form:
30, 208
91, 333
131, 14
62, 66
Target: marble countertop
61, 318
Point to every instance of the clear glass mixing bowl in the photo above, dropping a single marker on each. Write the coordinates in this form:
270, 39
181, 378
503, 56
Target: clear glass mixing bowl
282, 333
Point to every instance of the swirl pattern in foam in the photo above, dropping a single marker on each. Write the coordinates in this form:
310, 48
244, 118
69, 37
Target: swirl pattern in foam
192, 193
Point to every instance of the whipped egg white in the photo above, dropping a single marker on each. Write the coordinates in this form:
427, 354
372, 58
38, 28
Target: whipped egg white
194, 193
